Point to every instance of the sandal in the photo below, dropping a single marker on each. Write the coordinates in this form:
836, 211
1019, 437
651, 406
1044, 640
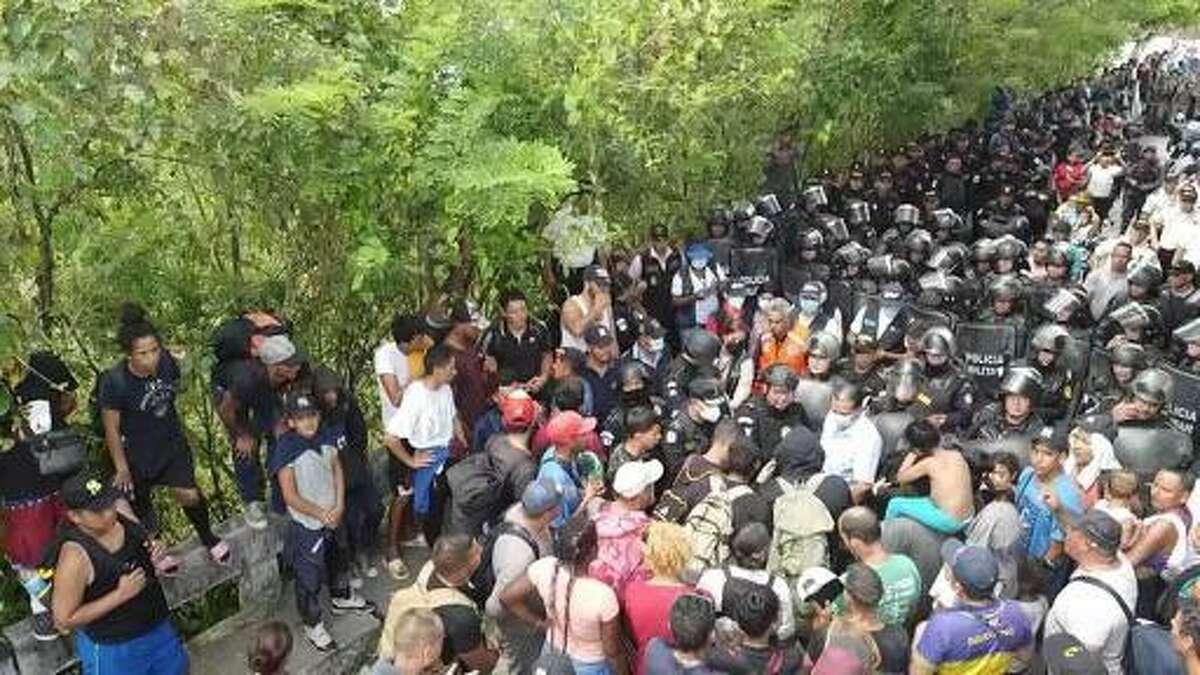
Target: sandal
220, 553
397, 569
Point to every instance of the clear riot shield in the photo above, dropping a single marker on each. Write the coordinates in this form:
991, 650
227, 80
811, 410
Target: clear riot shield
986, 351
814, 396
1145, 450
891, 426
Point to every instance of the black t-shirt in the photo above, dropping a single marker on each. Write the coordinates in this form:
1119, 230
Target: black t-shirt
747, 660
464, 630
520, 356
892, 642
259, 407
150, 426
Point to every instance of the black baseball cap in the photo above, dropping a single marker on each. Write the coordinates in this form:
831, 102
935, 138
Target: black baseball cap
597, 335
300, 403
597, 275
1101, 529
1183, 267
88, 490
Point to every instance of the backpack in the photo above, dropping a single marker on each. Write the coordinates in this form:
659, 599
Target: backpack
1148, 649
736, 587
801, 525
477, 488
710, 527
484, 579
417, 595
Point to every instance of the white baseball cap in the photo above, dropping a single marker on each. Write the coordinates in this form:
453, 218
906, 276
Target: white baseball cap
634, 477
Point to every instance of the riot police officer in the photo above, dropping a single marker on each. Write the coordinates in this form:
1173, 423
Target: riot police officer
700, 351
768, 417
815, 387
863, 366
1145, 440
918, 244
1004, 307
1009, 254
1126, 360
950, 393
635, 389
1137, 323
690, 430
1048, 355
1013, 414
1188, 335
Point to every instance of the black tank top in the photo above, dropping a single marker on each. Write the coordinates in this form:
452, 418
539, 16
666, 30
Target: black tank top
136, 616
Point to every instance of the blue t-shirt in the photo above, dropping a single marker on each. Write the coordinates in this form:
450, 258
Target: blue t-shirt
566, 477
1039, 527
975, 640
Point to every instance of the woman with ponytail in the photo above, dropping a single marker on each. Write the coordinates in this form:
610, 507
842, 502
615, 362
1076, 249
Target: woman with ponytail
143, 433
584, 617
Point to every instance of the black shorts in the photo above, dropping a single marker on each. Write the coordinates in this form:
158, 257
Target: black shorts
178, 470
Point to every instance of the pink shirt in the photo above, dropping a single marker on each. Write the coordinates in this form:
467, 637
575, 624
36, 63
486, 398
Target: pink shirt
591, 604
648, 613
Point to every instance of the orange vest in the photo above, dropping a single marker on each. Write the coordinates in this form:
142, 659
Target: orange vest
792, 351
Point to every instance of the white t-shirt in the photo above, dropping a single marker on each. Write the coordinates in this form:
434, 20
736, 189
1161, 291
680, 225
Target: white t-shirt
389, 360
713, 583
852, 453
1090, 614
704, 285
426, 416
1101, 179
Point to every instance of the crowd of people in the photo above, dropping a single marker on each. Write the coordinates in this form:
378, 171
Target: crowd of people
932, 413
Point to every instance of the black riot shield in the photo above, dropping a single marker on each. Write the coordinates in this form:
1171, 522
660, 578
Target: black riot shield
814, 396
986, 351
932, 317
884, 319
1144, 450
1098, 370
753, 266
1185, 401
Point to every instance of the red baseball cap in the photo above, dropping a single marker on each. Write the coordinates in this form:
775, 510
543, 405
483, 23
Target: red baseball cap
567, 426
517, 410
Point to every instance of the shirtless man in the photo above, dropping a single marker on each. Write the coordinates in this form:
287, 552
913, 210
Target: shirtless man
593, 305
950, 502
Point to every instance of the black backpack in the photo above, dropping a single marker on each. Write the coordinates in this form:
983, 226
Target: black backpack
484, 579
477, 487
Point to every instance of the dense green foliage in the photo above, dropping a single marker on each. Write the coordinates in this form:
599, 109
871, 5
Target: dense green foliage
341, 159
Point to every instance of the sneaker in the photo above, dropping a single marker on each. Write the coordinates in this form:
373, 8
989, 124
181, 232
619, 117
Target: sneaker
416, 542
366, 566
356, 582
371, 571
256, 515
352, 603
320, 638
43, 627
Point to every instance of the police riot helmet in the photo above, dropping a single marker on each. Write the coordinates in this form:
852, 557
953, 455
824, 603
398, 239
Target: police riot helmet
852, 253
906, 214
858, 212
1133, 315
1154, 386
633, 376
1022, 381
768, 206
780, 375
700, 347
948, 258
947, 219
939, 341
1049, 337
1009, 247
811, 239
824, 345
1006, 287
1065, 301
984, 250
919, 241
836, 228
904, 379
1146, 275
814, 196
758, 228
1128, 354
887, 267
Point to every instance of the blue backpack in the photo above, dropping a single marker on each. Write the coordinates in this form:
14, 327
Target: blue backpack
1148, 648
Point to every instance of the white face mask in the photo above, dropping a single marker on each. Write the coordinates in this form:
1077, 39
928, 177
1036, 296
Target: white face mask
809, 306
841, 421
699, 264
656, 345
710, 413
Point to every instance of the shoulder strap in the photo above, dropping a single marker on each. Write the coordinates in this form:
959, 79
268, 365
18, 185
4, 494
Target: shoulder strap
521, 533
1115, 596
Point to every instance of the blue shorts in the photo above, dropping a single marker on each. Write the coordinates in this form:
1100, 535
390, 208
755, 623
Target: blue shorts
423, 478
158, 651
